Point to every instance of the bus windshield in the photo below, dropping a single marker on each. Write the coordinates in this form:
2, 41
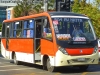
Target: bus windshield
73, 29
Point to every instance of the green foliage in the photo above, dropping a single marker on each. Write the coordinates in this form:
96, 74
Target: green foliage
76, 6
25, 7
91, 10
51, 4
38, 8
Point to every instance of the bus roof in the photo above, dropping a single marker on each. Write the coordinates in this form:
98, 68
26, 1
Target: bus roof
62, 13
26, 17
45, 13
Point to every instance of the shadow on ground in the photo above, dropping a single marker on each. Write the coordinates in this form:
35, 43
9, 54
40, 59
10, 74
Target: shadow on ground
63, 70
67, 70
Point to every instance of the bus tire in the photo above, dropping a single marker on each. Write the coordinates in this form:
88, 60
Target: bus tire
44, 67
83, 67
15, 61
49, 67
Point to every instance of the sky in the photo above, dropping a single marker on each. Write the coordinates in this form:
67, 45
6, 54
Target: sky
90, 1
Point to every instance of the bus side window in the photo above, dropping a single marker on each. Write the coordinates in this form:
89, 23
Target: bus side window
14, 30
3, 30
47, 30
17, 29
25, 31
28, 30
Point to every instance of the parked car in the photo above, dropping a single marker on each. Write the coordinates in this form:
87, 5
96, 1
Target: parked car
0, 36
99, 47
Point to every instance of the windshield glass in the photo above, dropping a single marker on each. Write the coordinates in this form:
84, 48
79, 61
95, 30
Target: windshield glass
74, 29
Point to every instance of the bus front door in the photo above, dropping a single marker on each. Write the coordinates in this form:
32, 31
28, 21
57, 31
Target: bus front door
37, 42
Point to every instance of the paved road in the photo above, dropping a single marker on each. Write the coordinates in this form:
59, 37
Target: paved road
8, 68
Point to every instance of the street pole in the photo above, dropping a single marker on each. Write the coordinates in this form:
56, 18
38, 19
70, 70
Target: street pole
58, 3
45, 5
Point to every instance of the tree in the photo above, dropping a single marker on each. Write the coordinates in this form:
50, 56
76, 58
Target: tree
23, 8
91, 10
51, 4
26, 7
76, 5
95, 15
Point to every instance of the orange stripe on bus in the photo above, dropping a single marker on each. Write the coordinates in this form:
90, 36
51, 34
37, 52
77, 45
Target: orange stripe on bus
20, 45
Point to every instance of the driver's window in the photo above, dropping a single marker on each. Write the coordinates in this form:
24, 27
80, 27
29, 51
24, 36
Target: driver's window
46, 29
87, 30
87, 27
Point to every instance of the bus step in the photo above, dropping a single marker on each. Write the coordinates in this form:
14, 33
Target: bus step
39, 63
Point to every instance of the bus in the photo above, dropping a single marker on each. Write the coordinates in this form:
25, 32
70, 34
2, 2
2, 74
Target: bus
50, 39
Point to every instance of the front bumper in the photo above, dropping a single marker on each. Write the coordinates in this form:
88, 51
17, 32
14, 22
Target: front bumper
67, 60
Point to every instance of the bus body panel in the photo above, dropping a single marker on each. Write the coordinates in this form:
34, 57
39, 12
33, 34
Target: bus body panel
25, 57
20, 45
47, 47
21, 56
3, 42
3, 50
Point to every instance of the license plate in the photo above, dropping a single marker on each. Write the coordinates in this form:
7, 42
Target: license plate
81, 59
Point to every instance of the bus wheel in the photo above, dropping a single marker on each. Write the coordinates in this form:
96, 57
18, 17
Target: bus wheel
49, 67
83, 67
15, 61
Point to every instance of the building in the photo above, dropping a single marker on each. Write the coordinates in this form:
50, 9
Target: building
4, 4
2, 14
9, 13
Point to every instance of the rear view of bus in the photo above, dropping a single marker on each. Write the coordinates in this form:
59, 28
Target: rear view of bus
76, 40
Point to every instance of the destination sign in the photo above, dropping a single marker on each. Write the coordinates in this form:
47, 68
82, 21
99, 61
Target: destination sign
15, 1
9, 1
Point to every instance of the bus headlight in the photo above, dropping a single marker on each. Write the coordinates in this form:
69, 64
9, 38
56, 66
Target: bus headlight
95, 49
63, 50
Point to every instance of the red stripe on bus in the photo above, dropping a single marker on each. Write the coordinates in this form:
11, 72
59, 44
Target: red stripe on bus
80, 51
